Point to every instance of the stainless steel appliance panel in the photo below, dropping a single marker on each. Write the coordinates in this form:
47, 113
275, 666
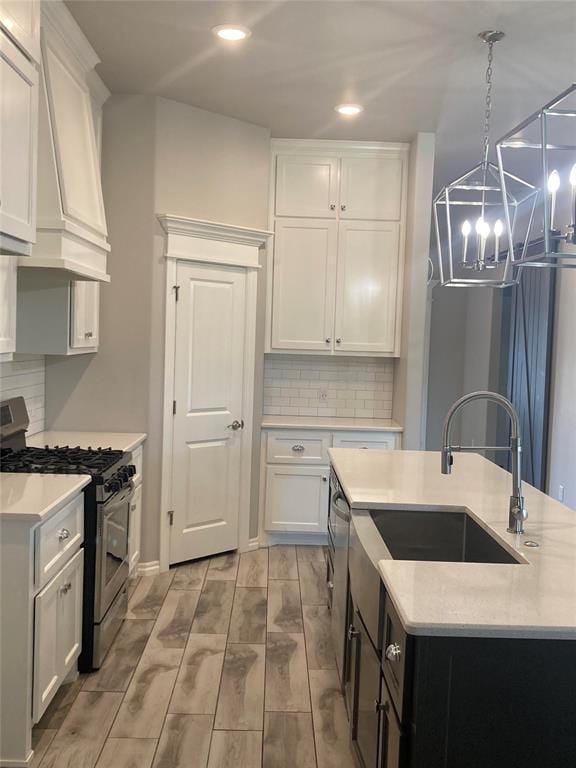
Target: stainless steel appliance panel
111, 549
339, 517
365, 587
106, 631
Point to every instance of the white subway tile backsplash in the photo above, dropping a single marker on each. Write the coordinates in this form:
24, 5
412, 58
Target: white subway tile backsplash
312, 386
25, 376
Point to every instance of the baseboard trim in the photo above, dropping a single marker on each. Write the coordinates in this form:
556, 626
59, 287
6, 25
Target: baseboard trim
151, 568
253, 544
279, 537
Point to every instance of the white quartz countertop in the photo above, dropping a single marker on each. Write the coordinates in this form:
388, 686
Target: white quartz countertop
35, 497
330, 423
535, 599
118, 441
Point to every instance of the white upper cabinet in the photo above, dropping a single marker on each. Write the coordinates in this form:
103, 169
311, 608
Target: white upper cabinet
371, 188
368, 254
307, 186
85, 314
8, 271
18, 145
70, 109
304, 283
336, 273
20, 19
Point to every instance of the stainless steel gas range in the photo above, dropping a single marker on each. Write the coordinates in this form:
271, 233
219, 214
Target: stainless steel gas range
106, 522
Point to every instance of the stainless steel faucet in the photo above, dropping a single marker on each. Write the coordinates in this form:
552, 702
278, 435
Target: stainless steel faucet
517, 512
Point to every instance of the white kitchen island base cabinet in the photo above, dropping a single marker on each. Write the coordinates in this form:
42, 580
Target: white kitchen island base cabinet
297, 499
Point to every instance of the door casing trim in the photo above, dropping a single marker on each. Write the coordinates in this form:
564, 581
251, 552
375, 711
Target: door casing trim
225, 235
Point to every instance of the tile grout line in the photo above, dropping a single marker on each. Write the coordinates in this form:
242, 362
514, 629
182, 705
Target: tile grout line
307, 665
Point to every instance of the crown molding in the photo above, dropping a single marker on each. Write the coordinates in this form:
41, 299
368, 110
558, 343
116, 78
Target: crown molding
58, 24
213, 230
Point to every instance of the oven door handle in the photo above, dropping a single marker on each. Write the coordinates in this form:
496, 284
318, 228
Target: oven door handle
115, 501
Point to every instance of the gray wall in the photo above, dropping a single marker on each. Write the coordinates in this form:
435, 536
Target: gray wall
158, 157
563, 412
464, 357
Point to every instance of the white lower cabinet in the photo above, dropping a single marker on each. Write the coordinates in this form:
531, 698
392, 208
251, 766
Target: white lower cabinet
297, 498
295, 470
135, 528
57, 632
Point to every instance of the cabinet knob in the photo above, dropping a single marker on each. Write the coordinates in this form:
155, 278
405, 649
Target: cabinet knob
330, 585
65, 588
381, 706
298, 448
328, 340
324, 478
342, 207
393, 652
338, 341
63, 534
88, 335
332, 206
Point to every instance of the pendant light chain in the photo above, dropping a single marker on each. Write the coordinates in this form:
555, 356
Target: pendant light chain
488, 103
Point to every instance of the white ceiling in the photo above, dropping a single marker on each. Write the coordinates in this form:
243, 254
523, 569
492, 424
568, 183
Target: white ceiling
416, 65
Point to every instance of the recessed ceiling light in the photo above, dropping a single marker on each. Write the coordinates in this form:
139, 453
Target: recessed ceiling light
232, 33
349, 110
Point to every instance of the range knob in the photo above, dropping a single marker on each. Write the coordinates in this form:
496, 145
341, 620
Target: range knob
131, 469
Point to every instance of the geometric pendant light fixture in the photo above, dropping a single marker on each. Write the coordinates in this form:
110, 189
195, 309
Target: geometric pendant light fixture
475, 215
544, 147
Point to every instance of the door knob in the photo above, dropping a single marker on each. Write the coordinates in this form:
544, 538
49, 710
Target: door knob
236, 425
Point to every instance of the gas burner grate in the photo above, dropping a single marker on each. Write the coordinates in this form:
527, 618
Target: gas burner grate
59, 460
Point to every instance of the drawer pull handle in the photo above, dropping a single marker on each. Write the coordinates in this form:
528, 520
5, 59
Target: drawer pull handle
352, 632
298, 448
381, 706
65, 588
393, 652
63, 534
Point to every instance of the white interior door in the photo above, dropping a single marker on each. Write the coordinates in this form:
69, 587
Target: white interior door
208, 389
367, 286
304, 284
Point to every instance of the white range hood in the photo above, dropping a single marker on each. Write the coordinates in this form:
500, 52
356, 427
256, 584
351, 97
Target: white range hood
71, 224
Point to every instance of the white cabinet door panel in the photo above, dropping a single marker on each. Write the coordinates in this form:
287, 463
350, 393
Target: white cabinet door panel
297, 499
70, 109
307, 186
304, 284
135, 528
371, 188
18, 142
84, 313
57, 632
8, 271
21, 20
368, 254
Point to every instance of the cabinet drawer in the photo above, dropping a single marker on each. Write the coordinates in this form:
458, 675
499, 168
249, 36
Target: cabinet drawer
58, 539
137, 459
297, 447
367, 440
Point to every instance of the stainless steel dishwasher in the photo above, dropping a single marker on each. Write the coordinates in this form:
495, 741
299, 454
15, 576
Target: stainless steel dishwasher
338, 532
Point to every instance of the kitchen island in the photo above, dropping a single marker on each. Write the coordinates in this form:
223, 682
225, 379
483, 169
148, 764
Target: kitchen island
477, 659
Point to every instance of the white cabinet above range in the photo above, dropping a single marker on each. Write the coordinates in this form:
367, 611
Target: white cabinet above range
336, 271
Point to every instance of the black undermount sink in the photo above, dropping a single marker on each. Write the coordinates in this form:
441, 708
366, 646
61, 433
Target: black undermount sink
440, 535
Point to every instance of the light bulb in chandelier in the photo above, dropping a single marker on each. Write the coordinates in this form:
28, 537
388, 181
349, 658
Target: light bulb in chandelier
498, 230
572, 177
466, 229
553, 187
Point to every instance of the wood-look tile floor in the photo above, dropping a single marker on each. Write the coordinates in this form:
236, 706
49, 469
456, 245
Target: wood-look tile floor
226, 662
